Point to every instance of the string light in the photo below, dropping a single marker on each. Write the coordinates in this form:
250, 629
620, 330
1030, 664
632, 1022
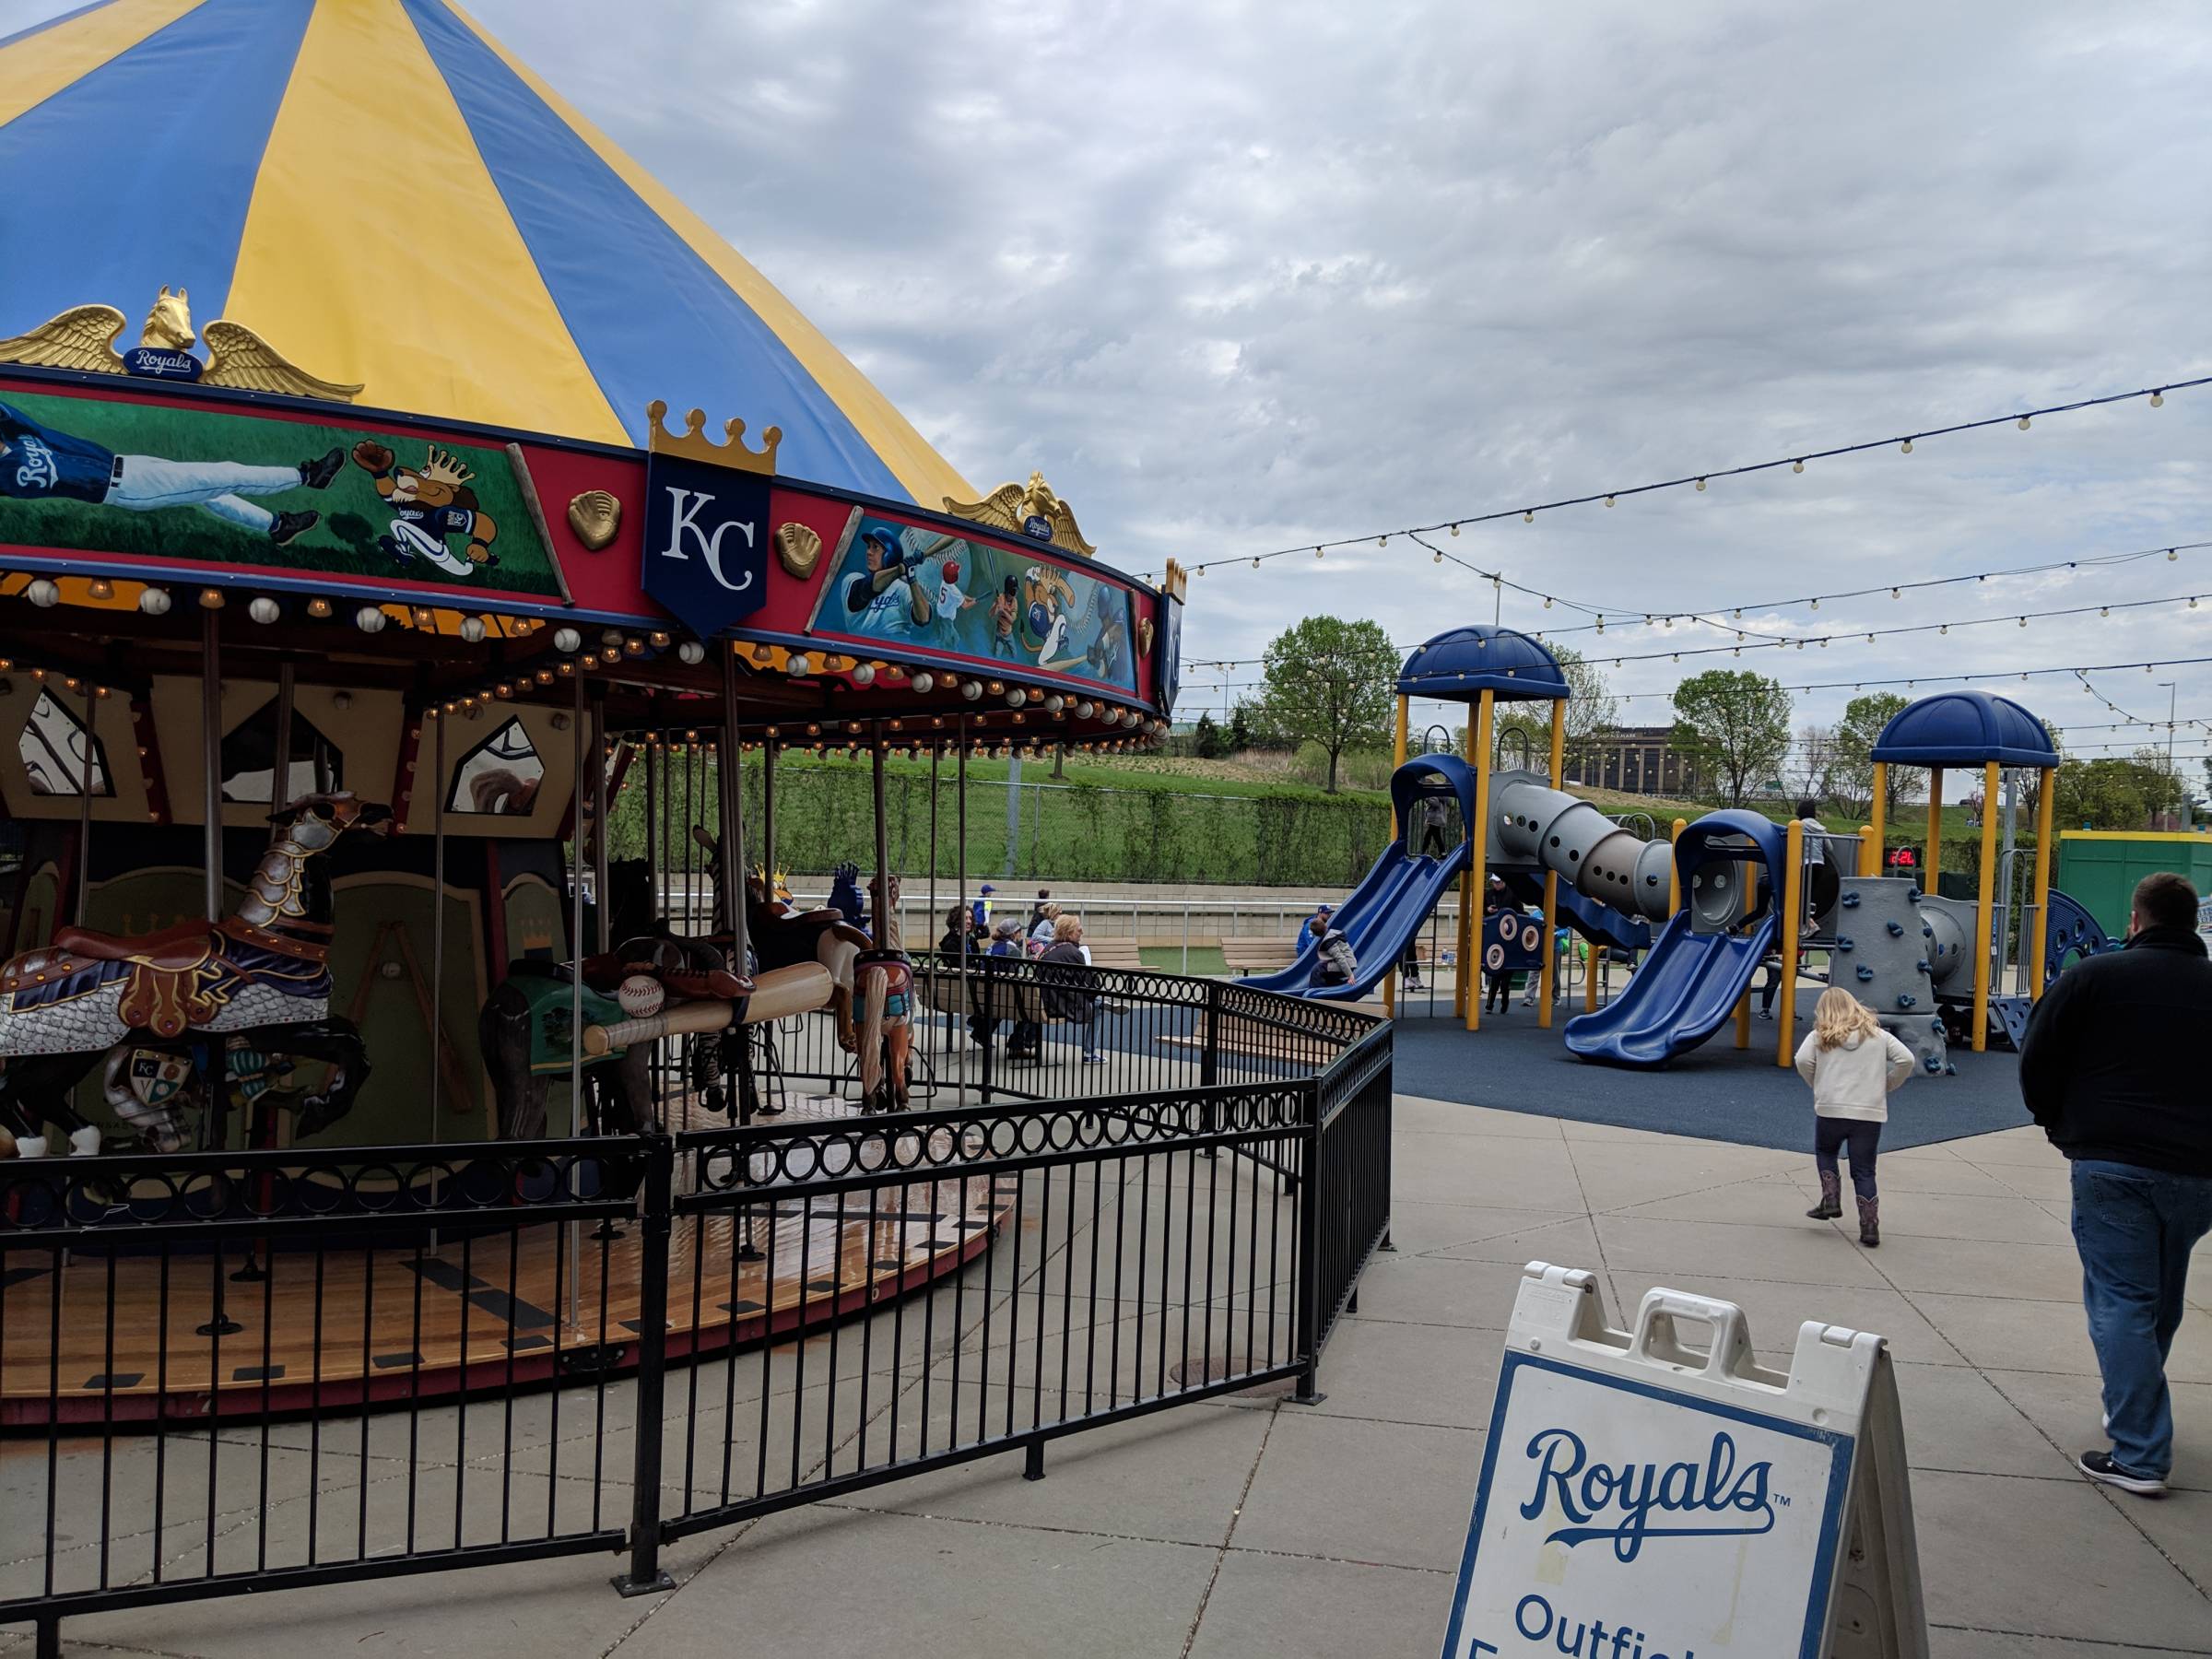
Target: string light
1795, 463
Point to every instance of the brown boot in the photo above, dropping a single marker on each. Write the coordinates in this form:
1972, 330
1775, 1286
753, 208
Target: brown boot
1870, 1231
1831, 1197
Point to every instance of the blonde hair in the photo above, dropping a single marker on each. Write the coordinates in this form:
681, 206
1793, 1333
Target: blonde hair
1068, 927
1839, 1017
1048, 910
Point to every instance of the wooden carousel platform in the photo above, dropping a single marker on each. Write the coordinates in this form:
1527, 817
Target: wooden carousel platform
498, 1310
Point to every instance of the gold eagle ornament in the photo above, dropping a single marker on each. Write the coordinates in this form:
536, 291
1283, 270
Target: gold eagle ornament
1012, 506
84, 338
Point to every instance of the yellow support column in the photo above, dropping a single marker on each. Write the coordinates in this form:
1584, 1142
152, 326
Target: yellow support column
1479, 843
1984, 904
1880, 815
1590, 969
1870, 854
2046, 786
1390, 979
1793, 905
1469, 927
1548, 978
1674, 871
1932, 863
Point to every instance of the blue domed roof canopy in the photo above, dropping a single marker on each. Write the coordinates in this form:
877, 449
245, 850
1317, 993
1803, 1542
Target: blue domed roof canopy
1965, 728
1459, 664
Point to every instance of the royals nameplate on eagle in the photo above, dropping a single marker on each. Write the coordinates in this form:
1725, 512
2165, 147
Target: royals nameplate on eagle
1648, 1496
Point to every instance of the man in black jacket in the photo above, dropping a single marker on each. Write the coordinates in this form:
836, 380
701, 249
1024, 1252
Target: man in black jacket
2110, 1071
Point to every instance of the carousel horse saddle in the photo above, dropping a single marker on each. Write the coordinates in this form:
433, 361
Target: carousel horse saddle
172, 951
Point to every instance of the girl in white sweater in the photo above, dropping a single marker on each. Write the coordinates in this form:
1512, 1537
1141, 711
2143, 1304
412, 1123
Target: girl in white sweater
1854, 1066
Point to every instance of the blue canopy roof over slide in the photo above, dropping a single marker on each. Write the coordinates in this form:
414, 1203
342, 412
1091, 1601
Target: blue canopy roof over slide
1965, 728
1458, 665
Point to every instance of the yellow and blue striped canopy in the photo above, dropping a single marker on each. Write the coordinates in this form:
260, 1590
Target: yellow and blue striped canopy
386, 194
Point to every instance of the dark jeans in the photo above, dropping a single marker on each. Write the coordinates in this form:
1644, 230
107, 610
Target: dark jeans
1833, 1134
2134, 1229
1500, 992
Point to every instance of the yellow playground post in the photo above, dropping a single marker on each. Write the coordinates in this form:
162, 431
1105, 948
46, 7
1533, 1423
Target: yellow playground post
1674, 871
1478, 845
1984, 904
1870, 851
2046, 786
1792, 906
1547, 976
1880, 813
1932, 861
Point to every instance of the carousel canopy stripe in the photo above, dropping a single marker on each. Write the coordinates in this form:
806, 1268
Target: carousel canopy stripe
387, 195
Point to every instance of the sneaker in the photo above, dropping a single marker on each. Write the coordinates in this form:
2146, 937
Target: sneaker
1765, 1013
2100, 1467
285, 528
1094, 1059
317, 474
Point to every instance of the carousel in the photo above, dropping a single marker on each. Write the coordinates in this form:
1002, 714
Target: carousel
393, 670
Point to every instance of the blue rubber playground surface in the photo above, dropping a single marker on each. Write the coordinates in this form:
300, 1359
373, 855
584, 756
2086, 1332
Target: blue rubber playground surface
1714, 1090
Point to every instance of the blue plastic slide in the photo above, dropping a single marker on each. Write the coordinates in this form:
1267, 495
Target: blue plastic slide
1685, 989
1379, 921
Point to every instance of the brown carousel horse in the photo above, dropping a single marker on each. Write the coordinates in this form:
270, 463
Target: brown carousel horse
169, 1005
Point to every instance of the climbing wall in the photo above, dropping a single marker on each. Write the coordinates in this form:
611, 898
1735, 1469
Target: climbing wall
1888, 956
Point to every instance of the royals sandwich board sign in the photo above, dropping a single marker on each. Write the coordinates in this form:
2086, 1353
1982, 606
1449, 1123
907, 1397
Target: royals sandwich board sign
1642, 1498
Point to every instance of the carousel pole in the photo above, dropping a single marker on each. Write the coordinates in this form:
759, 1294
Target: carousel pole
570, 1239
211, 764
768, 816
930, 925
606, 909
882, 934
280, 780
732, 813
437, 914
960, 831
84, 806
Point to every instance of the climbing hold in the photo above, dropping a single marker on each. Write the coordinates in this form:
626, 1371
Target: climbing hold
1923, 965
1933, 1064
1912, 895
1905, 999
1897, 930
1936, 1024
1864, 973
1926, 932
1843, 943
1851, 901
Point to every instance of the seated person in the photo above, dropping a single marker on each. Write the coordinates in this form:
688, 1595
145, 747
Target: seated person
1337, 964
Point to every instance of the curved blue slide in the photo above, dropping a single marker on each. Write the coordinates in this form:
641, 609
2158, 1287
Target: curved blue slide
1379, 921
1683, 992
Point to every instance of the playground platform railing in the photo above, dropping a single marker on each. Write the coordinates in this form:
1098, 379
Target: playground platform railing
1184, 1218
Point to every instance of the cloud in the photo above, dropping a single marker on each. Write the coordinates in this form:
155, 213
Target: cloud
1240, 275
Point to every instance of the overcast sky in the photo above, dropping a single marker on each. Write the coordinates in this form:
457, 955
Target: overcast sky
1237, 276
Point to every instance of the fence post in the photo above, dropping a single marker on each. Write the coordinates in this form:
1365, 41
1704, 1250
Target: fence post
1307, 1199
1209, 1037
646, 1576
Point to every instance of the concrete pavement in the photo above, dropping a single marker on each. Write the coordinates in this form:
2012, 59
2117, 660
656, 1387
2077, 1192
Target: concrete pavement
1258, 1526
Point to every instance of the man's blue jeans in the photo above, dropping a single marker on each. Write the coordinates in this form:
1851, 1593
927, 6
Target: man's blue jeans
2134, 1229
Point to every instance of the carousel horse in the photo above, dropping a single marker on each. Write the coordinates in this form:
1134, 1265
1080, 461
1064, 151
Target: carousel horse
781, 936
165, 1007
883, 996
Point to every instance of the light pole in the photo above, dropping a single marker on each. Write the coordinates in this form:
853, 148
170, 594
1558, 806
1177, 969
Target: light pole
2169, 687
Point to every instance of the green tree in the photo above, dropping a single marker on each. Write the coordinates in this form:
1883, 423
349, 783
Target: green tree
1239, 729
2117, 794
1206, 738
1736, 724
1863, 718
1329, 682
1591, 709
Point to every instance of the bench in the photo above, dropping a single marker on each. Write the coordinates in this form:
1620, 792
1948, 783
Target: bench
1114, 953
1256, 953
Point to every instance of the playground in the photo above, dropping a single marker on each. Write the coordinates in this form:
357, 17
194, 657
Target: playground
1694, 917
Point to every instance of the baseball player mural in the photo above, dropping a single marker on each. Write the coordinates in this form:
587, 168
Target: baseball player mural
40, 463
429, 503
905, 583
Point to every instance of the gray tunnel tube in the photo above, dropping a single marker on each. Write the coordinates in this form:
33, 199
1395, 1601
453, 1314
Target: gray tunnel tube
1532, 823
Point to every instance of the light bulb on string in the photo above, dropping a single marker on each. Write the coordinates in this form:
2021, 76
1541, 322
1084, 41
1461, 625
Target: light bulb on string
1905, 448
1894, 593
1455, 529
2171, 554
1436, 558
2023, 423
1528, 518
2157, 400
1796, 467
1701, 483
1608, 501
1816, 605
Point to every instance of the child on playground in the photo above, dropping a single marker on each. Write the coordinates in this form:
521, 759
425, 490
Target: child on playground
1338, 964
1854, 1066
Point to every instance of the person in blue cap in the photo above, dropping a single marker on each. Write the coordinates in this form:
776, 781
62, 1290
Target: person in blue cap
982, 909
884, 600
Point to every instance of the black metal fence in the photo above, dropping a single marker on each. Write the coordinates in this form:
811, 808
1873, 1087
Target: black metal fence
218, 1366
